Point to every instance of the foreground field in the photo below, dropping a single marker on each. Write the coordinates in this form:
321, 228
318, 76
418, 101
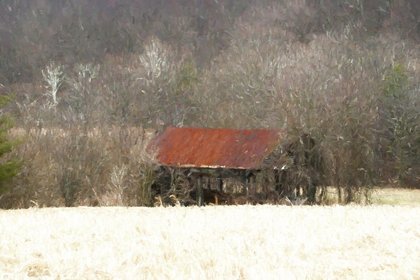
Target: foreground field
235, 242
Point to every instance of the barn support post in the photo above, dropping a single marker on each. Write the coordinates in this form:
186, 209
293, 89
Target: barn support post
250, 182
220, 185
244, 180
277, 183
172, 185
199, 190
208, 185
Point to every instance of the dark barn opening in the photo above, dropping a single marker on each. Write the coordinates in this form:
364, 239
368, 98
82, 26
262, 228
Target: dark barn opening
234, 166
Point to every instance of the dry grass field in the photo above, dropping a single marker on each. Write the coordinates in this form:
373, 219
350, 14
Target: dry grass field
229, 242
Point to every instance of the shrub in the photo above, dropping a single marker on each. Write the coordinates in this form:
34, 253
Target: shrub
399, 103
8, 167
83, 166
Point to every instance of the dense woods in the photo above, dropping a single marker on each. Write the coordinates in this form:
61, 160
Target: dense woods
91, 79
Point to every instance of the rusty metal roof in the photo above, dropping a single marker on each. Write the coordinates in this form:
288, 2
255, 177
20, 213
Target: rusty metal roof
214, 148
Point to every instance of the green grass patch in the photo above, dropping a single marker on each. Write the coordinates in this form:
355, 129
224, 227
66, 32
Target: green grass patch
395, 196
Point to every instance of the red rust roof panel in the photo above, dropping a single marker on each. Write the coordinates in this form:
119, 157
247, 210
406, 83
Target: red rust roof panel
214, 148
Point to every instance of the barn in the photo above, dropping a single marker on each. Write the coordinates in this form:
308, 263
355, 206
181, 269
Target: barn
201, 154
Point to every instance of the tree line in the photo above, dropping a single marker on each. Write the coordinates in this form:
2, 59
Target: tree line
344, 72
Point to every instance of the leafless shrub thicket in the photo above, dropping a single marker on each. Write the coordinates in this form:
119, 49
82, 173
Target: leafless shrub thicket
103, 166
345, 73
